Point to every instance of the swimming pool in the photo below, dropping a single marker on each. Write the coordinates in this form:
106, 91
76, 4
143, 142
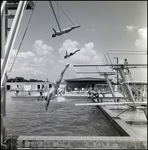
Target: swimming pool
63, 118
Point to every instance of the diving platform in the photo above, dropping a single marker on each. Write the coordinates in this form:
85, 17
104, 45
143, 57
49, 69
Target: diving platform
115, 65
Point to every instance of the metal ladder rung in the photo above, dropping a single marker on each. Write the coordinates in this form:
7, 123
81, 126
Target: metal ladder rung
14, 4
9, 16
8, 29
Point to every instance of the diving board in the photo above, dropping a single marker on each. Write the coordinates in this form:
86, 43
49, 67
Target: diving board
103, 65
143, 82
120, 68
112, 97
111, 103
102, 73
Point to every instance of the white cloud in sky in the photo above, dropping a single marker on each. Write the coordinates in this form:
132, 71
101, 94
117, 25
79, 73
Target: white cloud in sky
42, 50
131, 28
32, 64
86, 55
41, 63
141, 42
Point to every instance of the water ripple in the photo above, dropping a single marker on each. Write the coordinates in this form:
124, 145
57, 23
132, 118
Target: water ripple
24, 117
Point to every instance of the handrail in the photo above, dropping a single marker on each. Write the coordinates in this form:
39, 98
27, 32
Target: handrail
11, 37
3, 30
3, 7
121, 52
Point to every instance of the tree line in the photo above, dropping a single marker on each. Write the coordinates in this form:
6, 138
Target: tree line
21, 79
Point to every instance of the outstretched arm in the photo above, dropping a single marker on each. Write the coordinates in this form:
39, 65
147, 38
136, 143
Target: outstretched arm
62, 74
66, 55
54, 30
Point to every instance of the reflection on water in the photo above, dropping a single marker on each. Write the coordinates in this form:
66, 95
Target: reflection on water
28, 117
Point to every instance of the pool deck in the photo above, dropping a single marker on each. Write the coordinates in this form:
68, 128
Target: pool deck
130, 125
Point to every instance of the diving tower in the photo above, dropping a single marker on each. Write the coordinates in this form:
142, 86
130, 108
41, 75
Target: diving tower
124, 81
8, 37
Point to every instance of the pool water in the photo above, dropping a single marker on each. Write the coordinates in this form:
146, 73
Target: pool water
63, 118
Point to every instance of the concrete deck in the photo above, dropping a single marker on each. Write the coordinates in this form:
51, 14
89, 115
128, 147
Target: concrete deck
70, 142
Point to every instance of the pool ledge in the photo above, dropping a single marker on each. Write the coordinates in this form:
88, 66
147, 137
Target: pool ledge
111, 142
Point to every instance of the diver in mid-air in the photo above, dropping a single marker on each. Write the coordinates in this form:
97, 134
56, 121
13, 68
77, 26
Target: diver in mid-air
54, 88
70, 53
58, 33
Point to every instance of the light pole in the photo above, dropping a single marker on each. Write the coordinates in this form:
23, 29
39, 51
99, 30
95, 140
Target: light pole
117, 69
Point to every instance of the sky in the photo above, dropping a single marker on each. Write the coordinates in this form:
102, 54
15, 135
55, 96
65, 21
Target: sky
107, 28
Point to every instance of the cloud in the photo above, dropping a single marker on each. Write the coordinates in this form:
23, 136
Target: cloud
141, 42
68, 46
32, 64
86, 55
41, 63
131, 28
42, 50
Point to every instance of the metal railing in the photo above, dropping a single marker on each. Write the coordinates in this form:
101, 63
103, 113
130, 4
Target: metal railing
6, 48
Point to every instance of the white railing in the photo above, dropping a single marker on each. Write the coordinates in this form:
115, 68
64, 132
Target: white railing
6, 48
11, 37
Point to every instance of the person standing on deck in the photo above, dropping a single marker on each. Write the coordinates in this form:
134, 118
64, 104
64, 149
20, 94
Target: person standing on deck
54, 87
41, 92
64, 31
17, 90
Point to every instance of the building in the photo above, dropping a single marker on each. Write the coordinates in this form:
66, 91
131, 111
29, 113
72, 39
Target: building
68, 84
83, 83
28, 85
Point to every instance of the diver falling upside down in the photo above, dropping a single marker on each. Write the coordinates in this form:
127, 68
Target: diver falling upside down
58, 33
54, 88
71, 53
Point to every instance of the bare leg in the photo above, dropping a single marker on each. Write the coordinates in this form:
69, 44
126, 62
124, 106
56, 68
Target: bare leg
75, 27
54, 35
68, 30
54, 30
65, 55
76, 51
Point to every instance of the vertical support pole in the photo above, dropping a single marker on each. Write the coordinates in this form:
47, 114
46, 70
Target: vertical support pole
145, 111
3, 110
110, 86
117, 73
3, 32
117, 69
127, 87
6, 23
124, 92
3, 92
11, 37
3, 6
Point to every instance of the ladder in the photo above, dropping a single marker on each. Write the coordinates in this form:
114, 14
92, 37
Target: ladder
129, 74
8, 36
